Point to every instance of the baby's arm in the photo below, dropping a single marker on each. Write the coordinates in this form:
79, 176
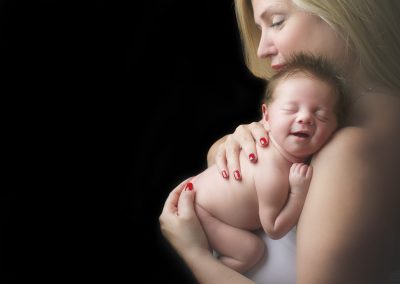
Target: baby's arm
277, 217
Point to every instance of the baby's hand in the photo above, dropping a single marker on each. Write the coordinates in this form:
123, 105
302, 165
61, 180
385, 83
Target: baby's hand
300, 178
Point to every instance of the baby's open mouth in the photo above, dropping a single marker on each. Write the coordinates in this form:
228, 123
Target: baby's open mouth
301, 134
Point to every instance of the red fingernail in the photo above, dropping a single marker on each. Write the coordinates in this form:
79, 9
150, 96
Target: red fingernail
189, 186
263, 141
252, 157
237, 175
224, 174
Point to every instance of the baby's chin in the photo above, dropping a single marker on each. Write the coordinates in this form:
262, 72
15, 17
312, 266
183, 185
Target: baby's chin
302, 154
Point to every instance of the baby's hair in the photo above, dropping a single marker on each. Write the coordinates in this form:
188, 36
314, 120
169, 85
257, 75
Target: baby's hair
315, 67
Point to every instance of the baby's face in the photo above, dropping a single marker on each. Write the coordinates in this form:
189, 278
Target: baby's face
301, 116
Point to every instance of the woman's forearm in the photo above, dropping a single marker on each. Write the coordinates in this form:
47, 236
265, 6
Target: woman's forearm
181, 227
207, 269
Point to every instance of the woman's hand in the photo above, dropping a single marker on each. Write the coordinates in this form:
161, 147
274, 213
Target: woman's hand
179, 223
181, 227
244, 138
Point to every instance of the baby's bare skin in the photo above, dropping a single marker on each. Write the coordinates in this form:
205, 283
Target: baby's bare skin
236, 203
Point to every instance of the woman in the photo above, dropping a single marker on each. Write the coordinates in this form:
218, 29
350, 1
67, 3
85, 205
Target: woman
347, 232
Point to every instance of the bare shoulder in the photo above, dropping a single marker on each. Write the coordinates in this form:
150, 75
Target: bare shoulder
341, 168
347, 151
345, 224
349, 140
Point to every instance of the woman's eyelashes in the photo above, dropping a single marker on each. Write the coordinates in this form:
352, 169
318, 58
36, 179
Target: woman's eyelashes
277, 21
273, 21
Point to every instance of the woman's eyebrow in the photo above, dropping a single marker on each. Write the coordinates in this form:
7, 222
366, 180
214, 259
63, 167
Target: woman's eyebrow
269, 9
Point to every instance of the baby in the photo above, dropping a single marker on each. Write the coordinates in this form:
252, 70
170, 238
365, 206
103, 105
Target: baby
300, 113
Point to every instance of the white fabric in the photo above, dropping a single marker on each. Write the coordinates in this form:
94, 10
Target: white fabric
279, 263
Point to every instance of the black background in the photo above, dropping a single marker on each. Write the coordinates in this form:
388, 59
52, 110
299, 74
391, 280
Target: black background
113, 103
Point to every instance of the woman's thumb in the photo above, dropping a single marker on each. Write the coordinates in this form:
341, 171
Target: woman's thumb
186, 201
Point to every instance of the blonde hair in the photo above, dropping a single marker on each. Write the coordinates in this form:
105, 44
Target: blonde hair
371, 28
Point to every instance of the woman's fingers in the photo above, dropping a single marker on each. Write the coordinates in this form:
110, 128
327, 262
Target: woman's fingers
179, 223
259, 133
243, 139
171, 204
220, 160
243, 135
232, 155
247, 136
186, 202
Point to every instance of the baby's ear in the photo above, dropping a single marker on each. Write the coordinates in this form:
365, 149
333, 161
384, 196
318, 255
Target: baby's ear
264, 119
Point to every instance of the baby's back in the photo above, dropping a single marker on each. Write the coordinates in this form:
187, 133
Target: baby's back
231, 201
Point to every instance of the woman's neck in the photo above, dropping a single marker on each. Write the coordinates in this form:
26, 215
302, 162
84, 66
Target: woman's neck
368, 100
358, 84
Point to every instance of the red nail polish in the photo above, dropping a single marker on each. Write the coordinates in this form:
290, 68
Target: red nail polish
263, 141
237, 175
189, 186
252, 157
224, 174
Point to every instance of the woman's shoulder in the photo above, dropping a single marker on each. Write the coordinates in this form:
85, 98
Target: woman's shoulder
347, 140
351, 134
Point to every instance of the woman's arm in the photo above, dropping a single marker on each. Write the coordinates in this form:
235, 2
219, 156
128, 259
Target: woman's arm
181, 227
344, 232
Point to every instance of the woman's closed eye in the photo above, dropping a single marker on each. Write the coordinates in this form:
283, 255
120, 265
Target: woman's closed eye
277, 21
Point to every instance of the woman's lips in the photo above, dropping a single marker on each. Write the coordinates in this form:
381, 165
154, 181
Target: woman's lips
277, 67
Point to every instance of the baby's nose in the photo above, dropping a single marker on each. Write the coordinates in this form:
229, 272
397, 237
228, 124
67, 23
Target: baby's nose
305, 118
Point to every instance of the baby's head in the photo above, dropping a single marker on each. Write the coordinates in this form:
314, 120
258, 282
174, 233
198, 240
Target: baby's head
304, 105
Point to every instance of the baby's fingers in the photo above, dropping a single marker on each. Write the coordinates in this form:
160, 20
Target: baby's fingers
294, 169
301, 169
309, 172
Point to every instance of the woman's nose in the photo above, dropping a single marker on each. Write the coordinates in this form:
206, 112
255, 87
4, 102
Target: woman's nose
266, 47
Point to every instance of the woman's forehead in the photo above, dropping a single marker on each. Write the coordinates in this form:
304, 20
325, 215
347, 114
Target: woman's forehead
262, 8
